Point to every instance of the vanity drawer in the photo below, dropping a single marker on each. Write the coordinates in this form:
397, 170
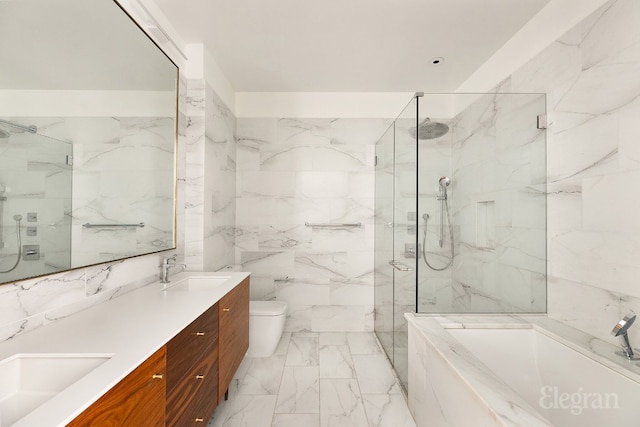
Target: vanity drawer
191, 345
193, 400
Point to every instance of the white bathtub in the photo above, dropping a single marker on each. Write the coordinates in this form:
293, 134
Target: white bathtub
496, 371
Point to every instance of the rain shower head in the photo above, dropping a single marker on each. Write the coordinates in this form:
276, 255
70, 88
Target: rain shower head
429, 130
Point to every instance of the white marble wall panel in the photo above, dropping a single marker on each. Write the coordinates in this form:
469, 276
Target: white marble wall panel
590, 76
194, 176
292, 171
220, 183
210, 182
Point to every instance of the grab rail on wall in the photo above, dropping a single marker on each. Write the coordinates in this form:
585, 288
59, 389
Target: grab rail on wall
400, 266
353, 224
89, 225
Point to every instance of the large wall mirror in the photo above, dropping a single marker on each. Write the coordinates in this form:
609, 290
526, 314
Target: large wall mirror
88, 114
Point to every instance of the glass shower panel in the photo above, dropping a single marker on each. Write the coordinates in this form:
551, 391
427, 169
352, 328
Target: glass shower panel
383, 273
493, 215
35, 186
404, 233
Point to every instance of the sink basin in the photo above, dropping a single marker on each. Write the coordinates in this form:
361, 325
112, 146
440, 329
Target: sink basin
197, 283
28, 380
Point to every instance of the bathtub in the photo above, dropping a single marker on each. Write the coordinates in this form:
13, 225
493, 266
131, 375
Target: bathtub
506, 371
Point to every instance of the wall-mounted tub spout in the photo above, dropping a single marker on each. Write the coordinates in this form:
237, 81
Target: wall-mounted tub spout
620, 330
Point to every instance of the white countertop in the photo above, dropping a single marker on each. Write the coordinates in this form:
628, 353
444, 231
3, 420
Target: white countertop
131, 328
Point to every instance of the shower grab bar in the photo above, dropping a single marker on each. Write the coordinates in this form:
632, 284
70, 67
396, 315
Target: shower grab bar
353, 224
400, 266
89, 225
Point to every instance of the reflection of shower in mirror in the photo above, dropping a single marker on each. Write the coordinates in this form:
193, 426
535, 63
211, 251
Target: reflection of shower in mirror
17, 218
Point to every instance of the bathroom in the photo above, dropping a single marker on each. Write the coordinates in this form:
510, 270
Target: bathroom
254, 166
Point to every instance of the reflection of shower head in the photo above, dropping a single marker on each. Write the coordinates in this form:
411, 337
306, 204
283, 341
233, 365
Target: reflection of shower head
429, 130
17, 217
4, 134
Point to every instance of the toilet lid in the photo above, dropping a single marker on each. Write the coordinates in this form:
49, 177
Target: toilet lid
267, 308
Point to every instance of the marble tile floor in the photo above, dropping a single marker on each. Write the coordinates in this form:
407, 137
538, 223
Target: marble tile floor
316, 379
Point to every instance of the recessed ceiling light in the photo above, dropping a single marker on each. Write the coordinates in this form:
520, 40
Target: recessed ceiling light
437, 60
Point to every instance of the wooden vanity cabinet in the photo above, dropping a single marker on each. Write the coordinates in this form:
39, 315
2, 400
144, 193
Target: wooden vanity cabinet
234, 333
137, 400
182, 383
192, 372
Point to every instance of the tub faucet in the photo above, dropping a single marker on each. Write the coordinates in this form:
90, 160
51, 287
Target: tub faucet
167, 263
621, 330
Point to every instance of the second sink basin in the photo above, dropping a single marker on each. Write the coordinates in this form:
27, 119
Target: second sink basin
197, 283
28, 380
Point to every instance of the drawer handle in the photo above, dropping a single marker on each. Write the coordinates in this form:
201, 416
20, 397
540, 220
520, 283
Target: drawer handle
157, 376
226, 309
199, 334
199, 377
199, 420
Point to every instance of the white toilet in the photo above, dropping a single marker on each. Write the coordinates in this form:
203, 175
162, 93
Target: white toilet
266, 323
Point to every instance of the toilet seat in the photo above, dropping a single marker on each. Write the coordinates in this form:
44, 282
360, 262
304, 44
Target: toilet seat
267, 308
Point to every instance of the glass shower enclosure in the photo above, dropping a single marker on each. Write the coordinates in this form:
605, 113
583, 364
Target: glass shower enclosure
460, 208
35, 201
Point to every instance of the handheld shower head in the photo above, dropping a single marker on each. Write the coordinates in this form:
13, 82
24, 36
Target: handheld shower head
17, 217
444, 182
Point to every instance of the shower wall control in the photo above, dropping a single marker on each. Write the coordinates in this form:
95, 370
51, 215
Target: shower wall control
32, 216
31, 252
410, 250
32, 231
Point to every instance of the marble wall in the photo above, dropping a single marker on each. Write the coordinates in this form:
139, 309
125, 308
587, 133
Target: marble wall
292, 171
590, 76
210, 211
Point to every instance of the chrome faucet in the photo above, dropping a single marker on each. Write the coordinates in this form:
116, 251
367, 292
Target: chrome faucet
167, 263
621, 330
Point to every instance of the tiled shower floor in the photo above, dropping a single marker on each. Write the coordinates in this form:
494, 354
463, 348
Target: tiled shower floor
326, 379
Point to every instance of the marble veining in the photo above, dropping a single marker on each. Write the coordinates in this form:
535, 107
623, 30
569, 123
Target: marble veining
306, 396
297, 170
433, 351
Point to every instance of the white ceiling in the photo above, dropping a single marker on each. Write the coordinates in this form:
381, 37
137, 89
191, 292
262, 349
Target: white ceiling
349, 45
